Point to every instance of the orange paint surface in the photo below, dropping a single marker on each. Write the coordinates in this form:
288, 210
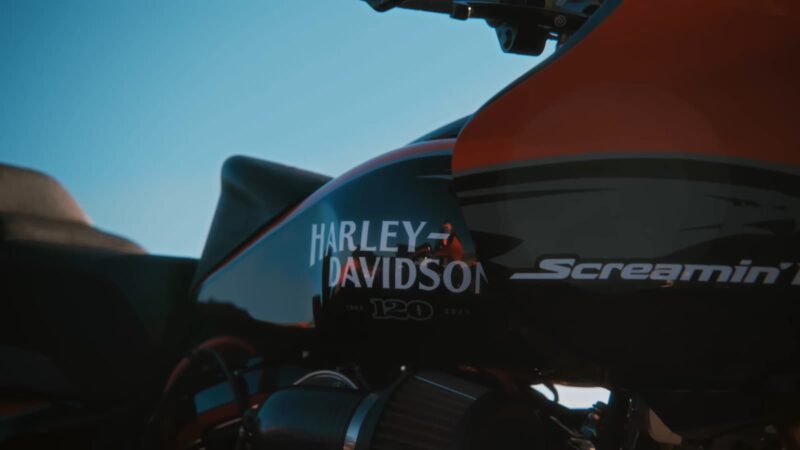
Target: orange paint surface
718, 78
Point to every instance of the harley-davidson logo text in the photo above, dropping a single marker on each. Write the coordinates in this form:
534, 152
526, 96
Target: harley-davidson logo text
394, 254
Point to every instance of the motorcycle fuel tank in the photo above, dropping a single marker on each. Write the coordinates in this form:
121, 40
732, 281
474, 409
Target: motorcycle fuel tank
622, 264
380, 254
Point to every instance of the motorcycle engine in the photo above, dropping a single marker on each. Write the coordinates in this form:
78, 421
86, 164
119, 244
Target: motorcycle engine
227, 395
226, 398
424, 410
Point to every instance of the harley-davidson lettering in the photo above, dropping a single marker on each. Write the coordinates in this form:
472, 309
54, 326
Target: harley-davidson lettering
744, 272
398, 257
351, 236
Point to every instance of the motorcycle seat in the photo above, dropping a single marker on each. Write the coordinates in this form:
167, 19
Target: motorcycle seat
253, 193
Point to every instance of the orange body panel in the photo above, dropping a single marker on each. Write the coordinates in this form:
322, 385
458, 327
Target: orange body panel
715, 78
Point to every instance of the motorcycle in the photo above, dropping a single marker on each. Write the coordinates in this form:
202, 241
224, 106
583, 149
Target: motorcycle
624, 215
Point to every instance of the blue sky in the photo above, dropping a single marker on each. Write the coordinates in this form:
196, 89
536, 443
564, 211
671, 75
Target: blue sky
134, 105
